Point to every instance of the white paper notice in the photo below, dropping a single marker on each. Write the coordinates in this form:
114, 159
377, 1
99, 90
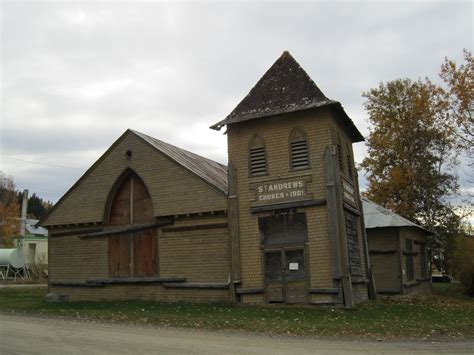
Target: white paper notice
294, 266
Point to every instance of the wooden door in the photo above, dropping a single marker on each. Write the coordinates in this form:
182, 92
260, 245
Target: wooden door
285, 276
144, 253
119, 256
274, 275
295, 276
132, 253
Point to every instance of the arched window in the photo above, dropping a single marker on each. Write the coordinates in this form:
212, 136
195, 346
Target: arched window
299, 152
132, 253
257, 157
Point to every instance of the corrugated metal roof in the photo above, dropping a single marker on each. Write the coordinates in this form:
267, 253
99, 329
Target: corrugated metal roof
285, 87
212, 172
32, 229
376, 216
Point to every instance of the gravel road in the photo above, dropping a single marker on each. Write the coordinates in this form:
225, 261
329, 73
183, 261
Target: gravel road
37, 335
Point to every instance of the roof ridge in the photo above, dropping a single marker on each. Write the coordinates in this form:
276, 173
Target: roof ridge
175, 146
212, 172
396, 220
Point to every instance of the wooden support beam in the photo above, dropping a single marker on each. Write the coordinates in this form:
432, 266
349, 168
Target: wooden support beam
351, 209
248, 291
380, 252
234, 238
324, 291
336, 225
203, 285
136, 280
126, 229
280, 206
195, 227
75, 284
86, 231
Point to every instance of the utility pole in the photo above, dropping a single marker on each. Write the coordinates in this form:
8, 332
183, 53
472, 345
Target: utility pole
24, 208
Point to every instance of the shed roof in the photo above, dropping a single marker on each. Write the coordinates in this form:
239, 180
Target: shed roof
376, 216
212, 172
285, 87
31, 228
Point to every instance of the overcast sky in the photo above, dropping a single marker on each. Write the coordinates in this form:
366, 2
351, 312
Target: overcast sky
76, 75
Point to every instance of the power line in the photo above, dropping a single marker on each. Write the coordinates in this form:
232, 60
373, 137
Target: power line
44, 163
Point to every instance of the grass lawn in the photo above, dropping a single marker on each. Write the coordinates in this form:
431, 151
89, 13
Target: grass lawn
444, 314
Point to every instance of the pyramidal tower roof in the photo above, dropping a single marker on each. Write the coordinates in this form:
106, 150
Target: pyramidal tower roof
285, 87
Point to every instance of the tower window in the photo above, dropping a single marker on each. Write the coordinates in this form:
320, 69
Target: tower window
299, 150
258, 157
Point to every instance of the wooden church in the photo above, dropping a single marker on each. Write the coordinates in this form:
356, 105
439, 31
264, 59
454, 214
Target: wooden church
281, 223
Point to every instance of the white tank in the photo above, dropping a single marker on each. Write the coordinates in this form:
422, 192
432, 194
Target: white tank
12, 257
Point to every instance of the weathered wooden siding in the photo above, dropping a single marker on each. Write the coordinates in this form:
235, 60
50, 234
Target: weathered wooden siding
153, 292
199, 255
340, 138
418, 284
76, 259
167, 182
196, 254
390, 268
276, 131
384, 258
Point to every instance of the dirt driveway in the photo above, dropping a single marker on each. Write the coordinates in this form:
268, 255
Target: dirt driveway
36, 335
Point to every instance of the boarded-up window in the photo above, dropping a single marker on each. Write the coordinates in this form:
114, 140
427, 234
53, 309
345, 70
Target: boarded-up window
299, 156
258, 157
283, 229
132, 253
353, 244
409, 259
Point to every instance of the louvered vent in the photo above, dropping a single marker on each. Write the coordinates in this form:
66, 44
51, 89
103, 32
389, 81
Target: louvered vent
258, 162
299, 154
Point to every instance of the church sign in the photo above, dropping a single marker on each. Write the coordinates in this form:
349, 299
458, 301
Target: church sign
281, 191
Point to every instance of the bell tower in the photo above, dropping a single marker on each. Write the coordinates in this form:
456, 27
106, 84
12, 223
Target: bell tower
295, 216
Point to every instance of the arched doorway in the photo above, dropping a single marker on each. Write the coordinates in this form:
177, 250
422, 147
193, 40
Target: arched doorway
133, 253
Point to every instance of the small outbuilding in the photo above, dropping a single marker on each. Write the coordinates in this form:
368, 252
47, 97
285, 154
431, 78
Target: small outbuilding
34, 244
398, 251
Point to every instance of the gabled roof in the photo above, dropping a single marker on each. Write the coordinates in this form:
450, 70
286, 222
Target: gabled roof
284, 88
376, 216
212, 172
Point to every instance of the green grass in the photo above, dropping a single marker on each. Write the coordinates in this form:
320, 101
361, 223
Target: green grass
440, 315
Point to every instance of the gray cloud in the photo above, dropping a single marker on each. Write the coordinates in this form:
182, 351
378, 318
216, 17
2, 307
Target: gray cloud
76, 75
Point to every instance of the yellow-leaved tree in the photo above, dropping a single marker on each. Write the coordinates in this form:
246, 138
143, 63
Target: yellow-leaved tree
411, 155
9, 212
